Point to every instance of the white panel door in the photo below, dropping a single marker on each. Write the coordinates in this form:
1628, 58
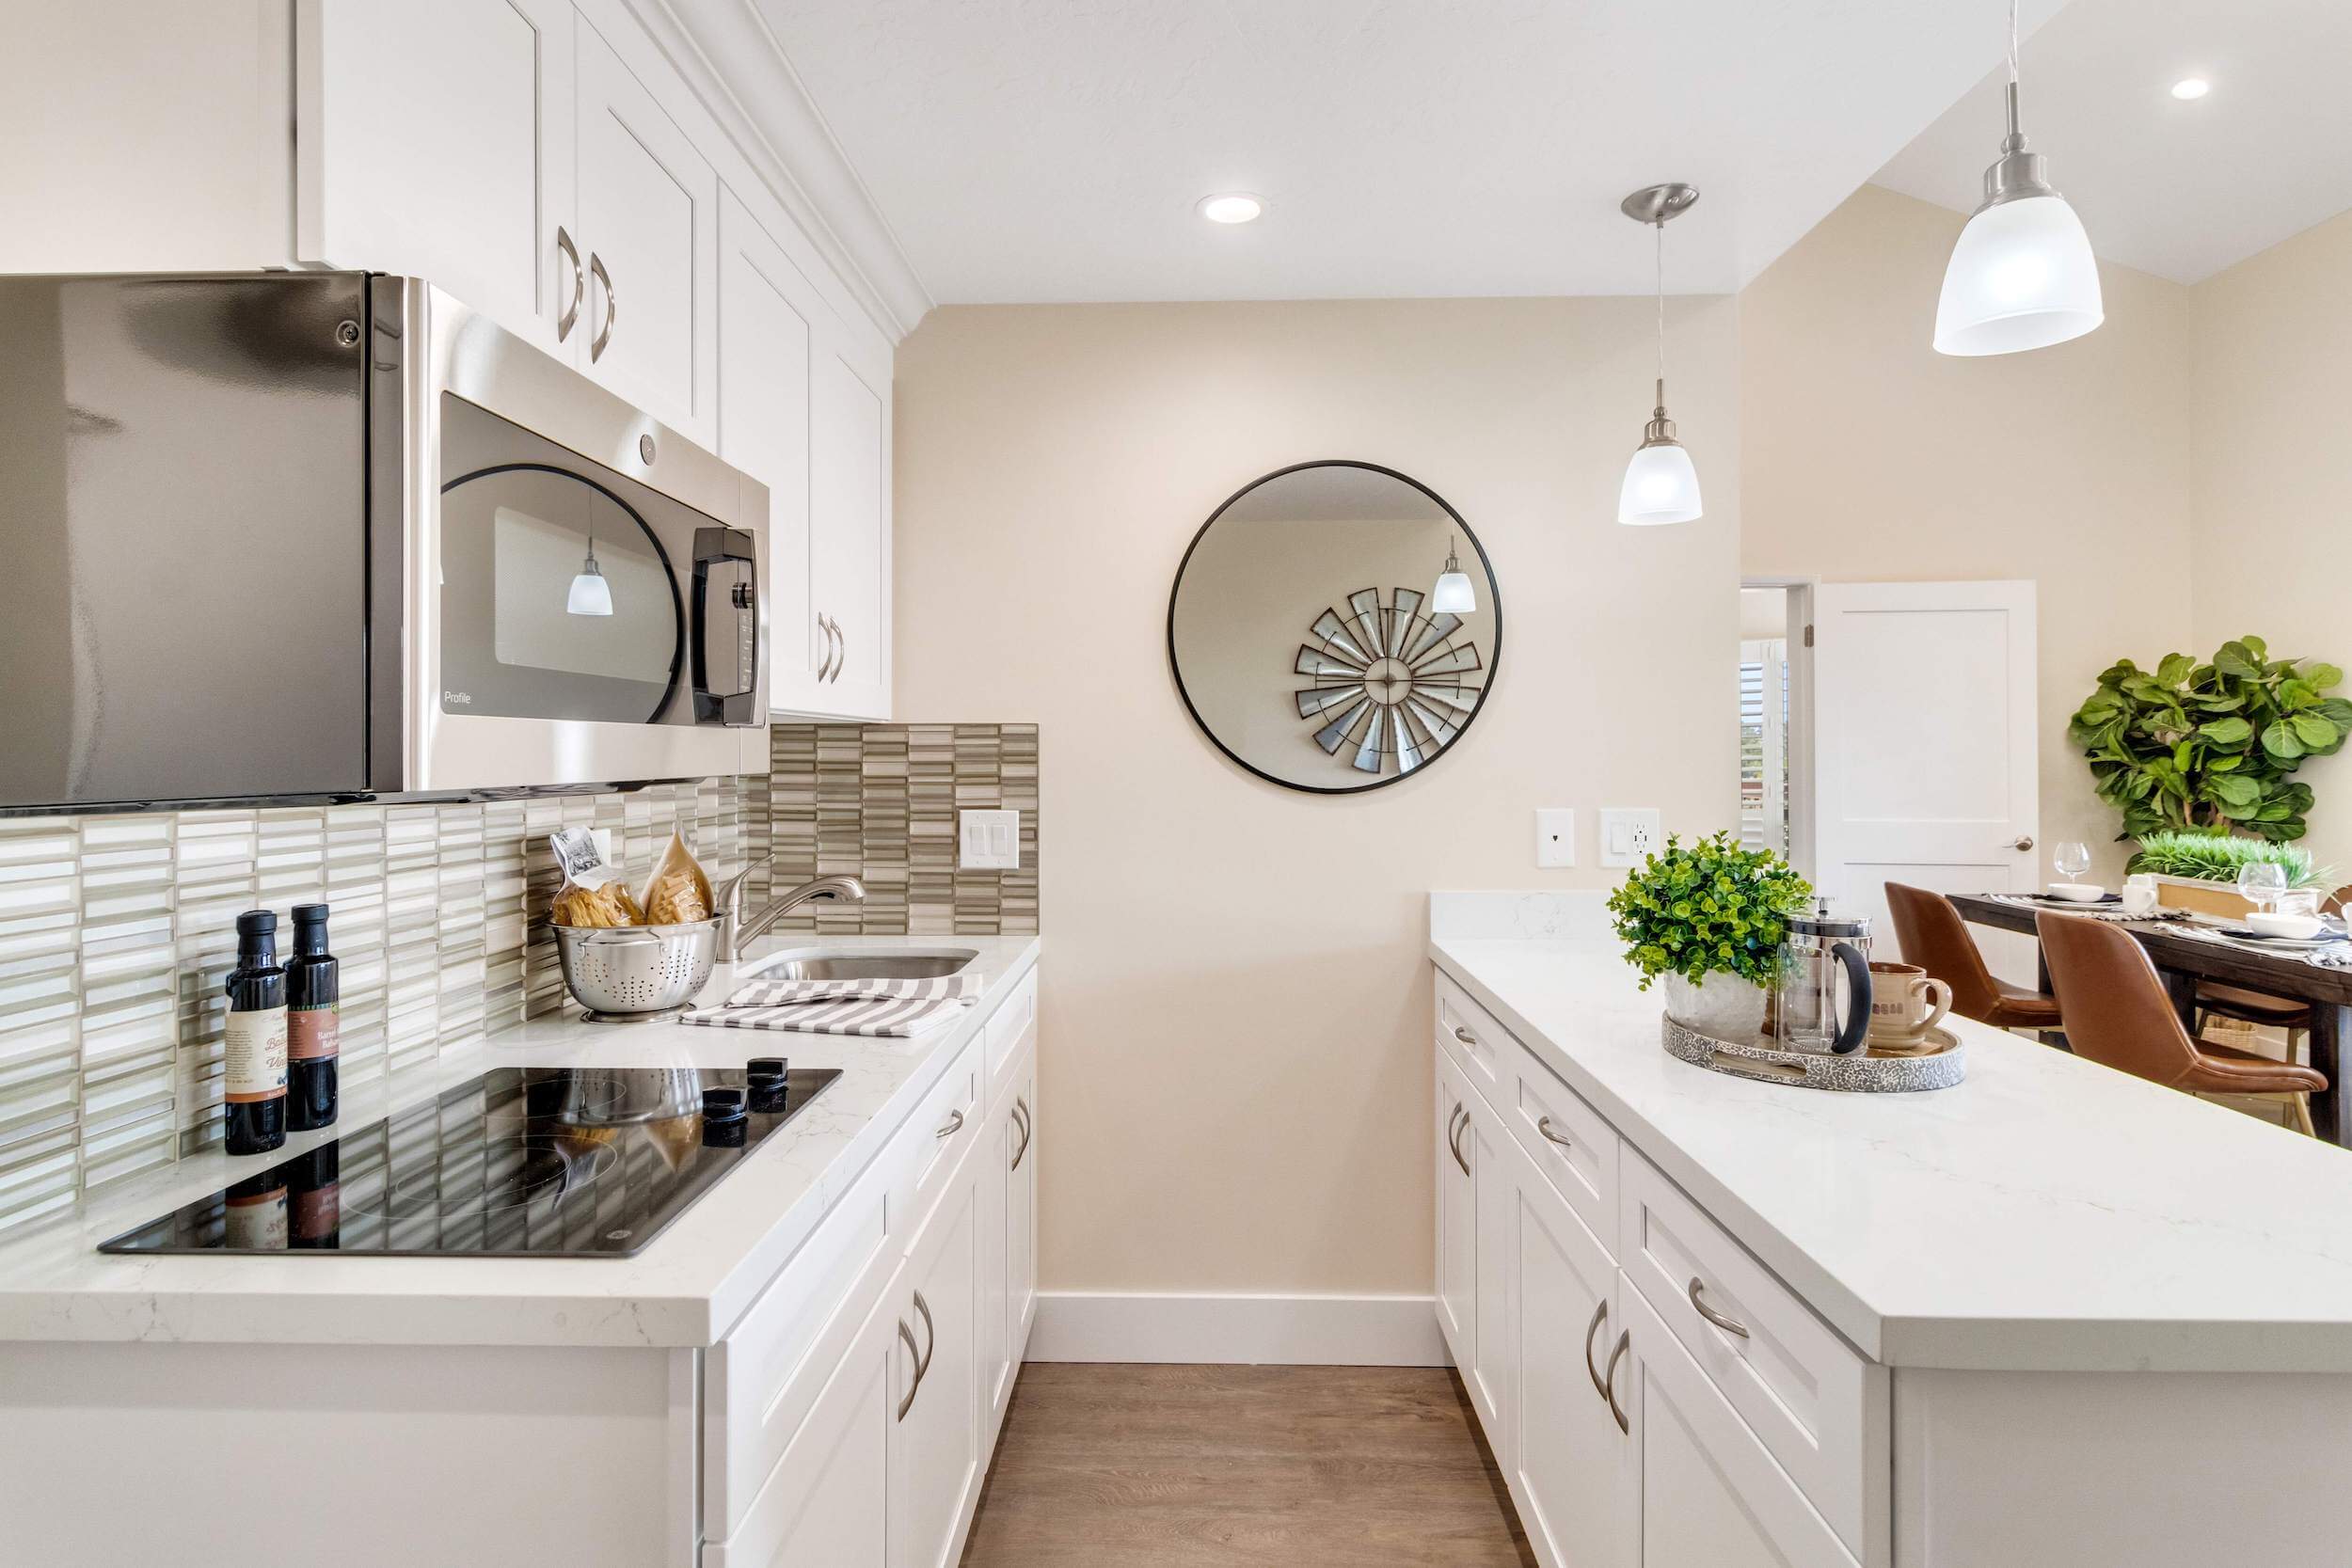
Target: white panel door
935, 1444
1925, 756
435, 139
850, 530
770, 315
1457, 1221
826, 1503
1712, 1496
1573, 1473
992, 1168
649, 229
1487, 1147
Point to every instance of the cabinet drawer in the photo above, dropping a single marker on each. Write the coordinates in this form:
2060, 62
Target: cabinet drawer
1008, 1031
1817, 1405
932, 1144
1470, 1035
1570, 1143
761, 1380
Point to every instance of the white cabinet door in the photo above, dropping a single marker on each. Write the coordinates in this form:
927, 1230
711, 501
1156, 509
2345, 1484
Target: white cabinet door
1712, 1496
769, 318
1574, 1474
992, 1178
1457, 1221
649, 231
850, 528
935, 1437
1488, 1149
435, 139
1022, 1250
826, 1503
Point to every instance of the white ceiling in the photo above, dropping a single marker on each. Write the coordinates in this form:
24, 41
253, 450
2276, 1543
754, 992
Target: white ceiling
1053, 149
2178, 189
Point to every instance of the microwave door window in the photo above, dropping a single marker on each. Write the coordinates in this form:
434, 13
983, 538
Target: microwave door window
557, 601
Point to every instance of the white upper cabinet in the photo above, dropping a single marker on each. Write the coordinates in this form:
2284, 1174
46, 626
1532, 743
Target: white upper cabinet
419, 150
649, 239
850, 531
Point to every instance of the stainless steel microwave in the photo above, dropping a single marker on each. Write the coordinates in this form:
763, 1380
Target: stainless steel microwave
278, 536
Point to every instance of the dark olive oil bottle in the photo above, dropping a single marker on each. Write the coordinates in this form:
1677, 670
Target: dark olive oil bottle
253, 1041
313, 1026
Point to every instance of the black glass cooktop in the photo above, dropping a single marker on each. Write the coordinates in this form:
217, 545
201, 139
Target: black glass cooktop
518, 1163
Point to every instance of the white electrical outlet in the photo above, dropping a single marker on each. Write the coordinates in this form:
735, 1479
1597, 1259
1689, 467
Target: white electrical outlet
1555, 835
988, 840
1630, 834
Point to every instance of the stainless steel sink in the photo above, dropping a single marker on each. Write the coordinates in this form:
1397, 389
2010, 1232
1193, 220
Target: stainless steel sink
834, 963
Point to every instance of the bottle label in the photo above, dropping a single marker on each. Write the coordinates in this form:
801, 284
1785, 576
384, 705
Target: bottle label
254, 1056
256, 1222
314, 1034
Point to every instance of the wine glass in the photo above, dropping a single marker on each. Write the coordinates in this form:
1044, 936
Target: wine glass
2072, 860
2261, 881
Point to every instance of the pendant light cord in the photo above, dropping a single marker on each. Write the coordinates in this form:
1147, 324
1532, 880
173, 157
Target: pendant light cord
1660, 227
2012, 42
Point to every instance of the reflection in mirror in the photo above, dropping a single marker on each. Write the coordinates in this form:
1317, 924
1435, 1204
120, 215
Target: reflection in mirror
1305, 632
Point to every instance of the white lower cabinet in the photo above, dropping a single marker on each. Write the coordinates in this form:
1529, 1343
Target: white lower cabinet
825, 1505
1020, 1222
935, 1437
1007, 1183
1575, 1476
1621, 1447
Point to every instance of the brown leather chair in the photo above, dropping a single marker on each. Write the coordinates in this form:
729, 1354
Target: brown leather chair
1931, 935
2217, 1000
2119, 1014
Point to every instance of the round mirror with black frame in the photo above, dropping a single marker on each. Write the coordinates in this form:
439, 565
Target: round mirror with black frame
1334, 627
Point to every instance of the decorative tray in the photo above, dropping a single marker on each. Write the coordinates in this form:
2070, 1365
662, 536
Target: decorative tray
1942, 1063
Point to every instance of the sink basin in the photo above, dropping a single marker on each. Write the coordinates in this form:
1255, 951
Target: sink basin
821, 964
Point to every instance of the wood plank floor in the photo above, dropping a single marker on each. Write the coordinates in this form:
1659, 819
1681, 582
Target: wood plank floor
1152, 1466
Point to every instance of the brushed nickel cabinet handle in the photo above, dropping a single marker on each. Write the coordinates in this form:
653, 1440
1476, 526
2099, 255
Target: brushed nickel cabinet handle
1609, 1381
1464, 1036
1543, 1125
1455, 1140
1600, 1316
834, 650
953, 1125
1729, 1325
931, 1338
841, 650
611, 307
1020, 1109
570, 318
917, 1386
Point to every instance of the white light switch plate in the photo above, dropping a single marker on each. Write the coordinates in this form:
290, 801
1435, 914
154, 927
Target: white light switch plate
1630, 834
1555, 835
988, 840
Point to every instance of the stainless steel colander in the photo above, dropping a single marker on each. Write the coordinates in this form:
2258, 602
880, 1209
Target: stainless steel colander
634, 971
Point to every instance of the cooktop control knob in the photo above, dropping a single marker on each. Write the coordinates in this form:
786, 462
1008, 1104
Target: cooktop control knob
767, 1083
723, 1118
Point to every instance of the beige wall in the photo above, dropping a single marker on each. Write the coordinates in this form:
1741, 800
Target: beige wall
2273, 539
1868, 457
1237, 1013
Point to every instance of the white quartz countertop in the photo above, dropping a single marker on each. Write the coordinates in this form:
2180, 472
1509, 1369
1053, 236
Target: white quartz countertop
2048, 1213
685, 1288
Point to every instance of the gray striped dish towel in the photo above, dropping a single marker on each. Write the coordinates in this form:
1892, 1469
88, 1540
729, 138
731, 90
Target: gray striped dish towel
876, 1009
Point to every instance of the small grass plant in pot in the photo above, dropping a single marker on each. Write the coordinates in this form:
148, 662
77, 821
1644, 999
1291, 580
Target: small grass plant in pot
1707, 918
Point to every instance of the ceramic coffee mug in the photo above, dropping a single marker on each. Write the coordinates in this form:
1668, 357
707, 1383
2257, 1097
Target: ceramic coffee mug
2139, 894
1905, 1003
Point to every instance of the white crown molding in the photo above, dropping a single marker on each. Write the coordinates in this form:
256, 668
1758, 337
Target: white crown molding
1244, 1330
761, 105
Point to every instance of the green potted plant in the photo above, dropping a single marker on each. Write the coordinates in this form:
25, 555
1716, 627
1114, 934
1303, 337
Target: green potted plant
2197, 869
1707, 918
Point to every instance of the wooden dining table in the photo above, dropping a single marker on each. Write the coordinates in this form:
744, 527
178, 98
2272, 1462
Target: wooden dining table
2184, 960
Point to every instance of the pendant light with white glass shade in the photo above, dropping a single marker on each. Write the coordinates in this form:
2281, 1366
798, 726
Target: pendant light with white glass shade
1660, 483
1453, 594
591, 593
2022, 276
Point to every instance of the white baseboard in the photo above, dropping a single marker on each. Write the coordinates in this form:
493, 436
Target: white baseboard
1301, 1331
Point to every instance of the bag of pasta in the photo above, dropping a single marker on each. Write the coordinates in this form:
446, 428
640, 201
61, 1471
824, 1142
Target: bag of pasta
678, 893
593, 892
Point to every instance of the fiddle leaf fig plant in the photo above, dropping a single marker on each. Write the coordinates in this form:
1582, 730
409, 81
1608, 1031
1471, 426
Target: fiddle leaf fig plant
1707, 908
2211, 746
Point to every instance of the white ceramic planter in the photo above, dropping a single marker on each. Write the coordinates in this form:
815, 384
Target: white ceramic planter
1723, 1006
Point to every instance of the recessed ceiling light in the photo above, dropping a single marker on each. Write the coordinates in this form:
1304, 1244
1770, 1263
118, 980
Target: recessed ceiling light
2191, 87
1233, 207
